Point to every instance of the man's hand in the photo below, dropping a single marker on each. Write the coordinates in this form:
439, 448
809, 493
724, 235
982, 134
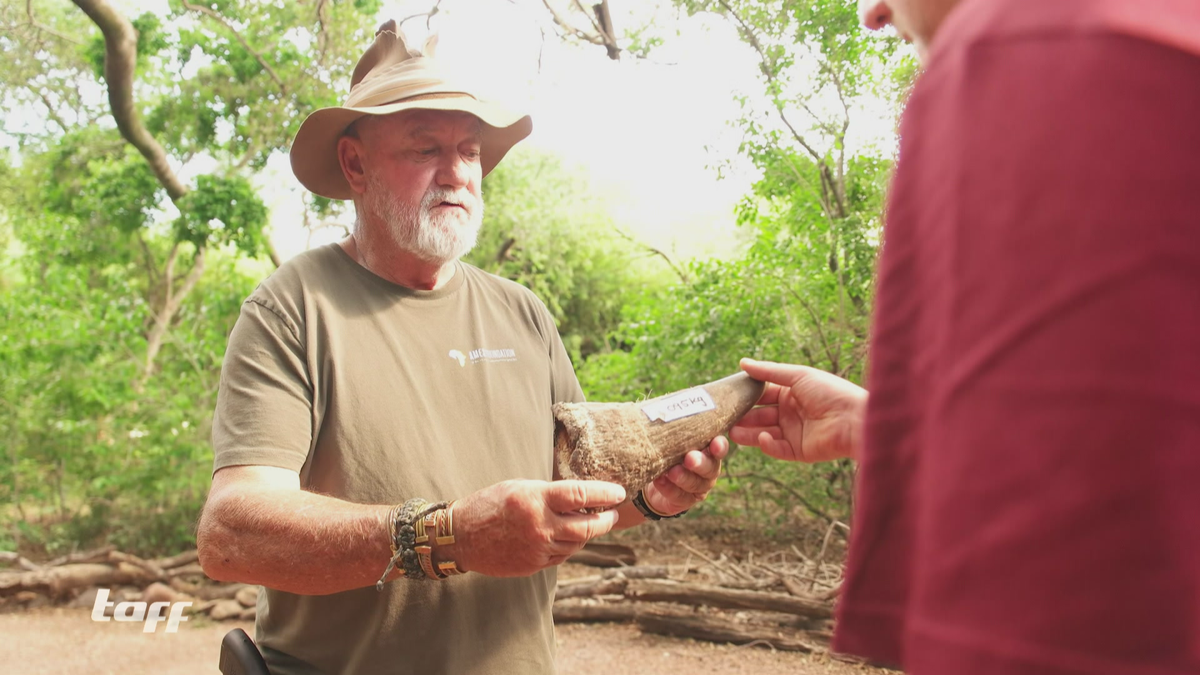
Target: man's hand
519, 527
805, 414
687, 483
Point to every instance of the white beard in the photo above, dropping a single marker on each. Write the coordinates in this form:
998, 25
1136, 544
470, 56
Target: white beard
433, 238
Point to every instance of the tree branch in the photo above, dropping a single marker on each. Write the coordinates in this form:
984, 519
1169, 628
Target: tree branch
163, 319
798, 497
120, 58
682, 274
151, 268
46, 29
767, 71
274, 253
245, 45
833, 358
50, 112
571, 29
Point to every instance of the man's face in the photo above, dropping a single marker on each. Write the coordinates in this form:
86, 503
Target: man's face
423, 180
916, 20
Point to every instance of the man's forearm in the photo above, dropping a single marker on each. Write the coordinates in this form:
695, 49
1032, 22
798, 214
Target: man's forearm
293, 541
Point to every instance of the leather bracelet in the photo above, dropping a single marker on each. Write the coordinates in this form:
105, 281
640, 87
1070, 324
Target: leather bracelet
639, 503
406, 528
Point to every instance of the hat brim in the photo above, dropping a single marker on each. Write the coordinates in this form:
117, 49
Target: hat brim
314, 151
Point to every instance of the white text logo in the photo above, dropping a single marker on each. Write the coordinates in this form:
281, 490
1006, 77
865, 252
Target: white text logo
137, 611
493, 355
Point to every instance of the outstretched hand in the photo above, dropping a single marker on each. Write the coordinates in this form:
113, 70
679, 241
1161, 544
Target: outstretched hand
804, 415
518, 527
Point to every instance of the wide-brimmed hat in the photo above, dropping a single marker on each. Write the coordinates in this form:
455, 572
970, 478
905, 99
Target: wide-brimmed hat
389, 78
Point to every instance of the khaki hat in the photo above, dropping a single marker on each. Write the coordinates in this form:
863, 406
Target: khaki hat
389, 78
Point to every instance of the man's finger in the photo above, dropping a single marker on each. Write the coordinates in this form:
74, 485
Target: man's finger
571, 495
718, 448
767, 416
690, 481
700, 463
779, 449
785, 374
670, 494
751, 435
583, 527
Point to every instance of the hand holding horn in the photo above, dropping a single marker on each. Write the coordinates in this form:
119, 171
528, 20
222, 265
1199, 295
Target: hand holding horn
805, 415
632, 444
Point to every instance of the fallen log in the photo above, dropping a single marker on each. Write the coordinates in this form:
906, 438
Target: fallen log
604, 555
11, 557
59, 581
188, 570
565, 612
635, 572
622, 573
719, 629
150, 568
703, 595
96, 555
613, 586
185, 558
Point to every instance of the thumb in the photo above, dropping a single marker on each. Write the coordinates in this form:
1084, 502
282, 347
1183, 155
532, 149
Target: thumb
571, 495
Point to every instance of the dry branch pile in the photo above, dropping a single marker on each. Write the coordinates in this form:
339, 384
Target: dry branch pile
75, 580
783, 600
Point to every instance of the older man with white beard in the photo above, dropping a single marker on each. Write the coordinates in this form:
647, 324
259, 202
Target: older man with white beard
384, 410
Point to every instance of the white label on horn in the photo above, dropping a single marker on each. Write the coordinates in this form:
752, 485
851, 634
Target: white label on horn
683, 404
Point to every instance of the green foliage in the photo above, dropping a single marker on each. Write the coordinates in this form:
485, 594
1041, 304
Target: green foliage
89, 457
545, 230
106, 427
222, 210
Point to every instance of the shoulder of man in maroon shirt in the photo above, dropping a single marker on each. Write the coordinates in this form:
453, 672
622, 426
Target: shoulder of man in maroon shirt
1029, 496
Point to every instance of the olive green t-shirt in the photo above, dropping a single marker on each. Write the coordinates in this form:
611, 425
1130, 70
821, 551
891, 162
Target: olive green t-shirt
376, 393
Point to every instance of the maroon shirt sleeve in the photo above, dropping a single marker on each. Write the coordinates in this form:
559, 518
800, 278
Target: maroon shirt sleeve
1029, 497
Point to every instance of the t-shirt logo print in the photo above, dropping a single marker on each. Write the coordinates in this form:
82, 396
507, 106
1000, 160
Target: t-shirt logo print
458, 356
492, 355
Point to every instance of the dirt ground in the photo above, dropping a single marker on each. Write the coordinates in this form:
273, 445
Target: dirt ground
67, 642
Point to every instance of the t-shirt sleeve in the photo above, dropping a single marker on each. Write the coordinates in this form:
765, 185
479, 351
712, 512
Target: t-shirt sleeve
264, 404
564, 383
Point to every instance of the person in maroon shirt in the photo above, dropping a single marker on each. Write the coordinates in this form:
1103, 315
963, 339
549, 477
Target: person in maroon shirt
1029, 476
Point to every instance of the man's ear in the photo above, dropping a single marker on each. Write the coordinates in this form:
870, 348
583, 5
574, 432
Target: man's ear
351, 151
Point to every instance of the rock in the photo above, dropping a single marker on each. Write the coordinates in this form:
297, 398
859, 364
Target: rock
201, 608
248, 614
86, 599
248, 596
158, 592
26, 597
226, 609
